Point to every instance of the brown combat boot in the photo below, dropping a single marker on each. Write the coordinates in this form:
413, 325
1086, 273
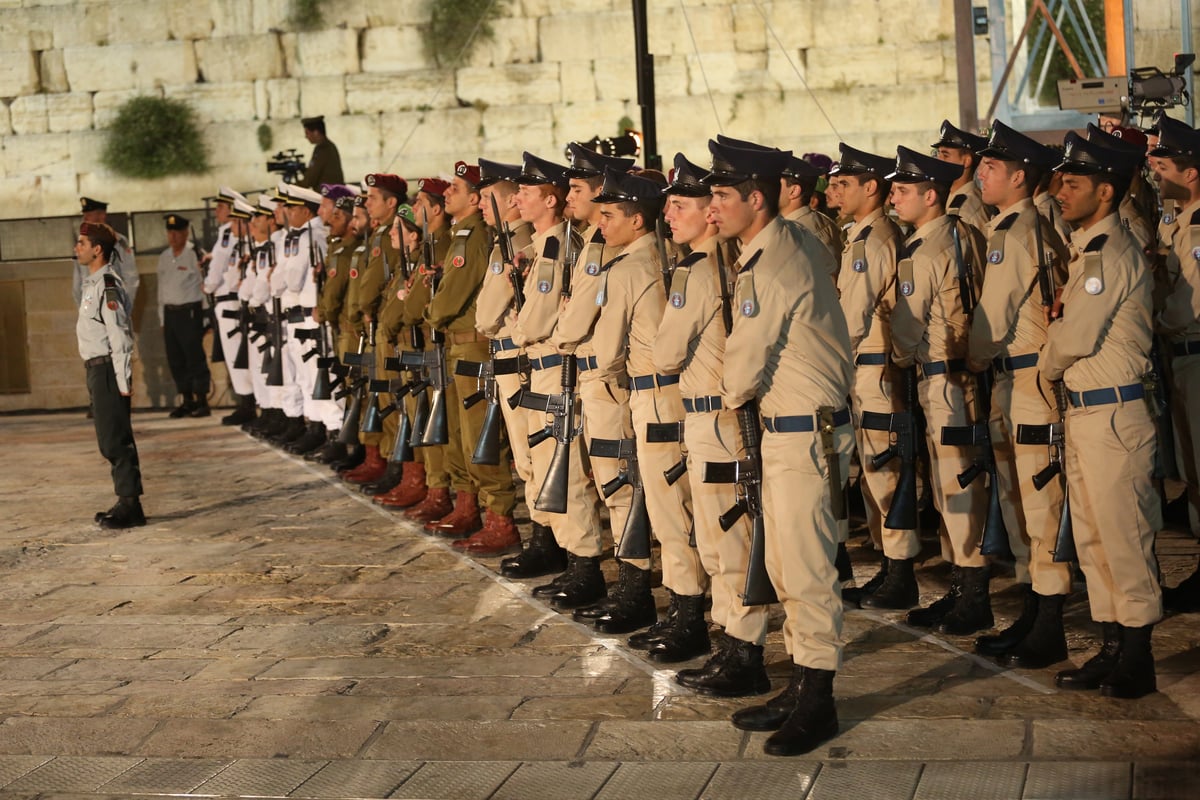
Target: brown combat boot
462, 520
371, 469
498, 537
435, 506
409, 491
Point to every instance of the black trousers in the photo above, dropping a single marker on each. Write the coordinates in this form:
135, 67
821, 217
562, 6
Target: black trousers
114, 431
183, 336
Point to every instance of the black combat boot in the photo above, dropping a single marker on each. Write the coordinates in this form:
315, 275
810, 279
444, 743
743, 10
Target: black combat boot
722, 643
584, 583
898, 590
813, 719
1133, 675
1184, 598
655, 633
541, 556
635, 606
185, 406
853, 595
388, 481
771, 714
736, 670
243, 413
356, 453
200, 408
973, 610
932, 614
1096, 668
842, 562
265, 420
314, 436
998, 644
293, 430
688, 637
127, 513
274, 427
1046, 643
331, 451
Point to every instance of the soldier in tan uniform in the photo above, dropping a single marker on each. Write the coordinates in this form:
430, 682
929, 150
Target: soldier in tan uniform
1178, 172
691, 342
541, 200
929, 336
1007, 332
495, 315
867, 289
1100, 348
1137, 207
799, 183
956, 146
790, 352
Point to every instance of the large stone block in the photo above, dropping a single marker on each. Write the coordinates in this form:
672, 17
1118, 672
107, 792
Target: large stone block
381, 13
542, 8
582, 121
327, 52
923, 61
393, 49
137, 21
161, 194
671, 76
749, 29
5, 120
72, 26
230, 59
512, 85
14, 30
126, 66
322, 96
216, 102
106, 104
531, 127
53, 71
41, 196
789, 69
673, 28
69, 111
515, 41
905, 22
86, 149
583, 37
856, 22
231, 17
235, 144
283, 98
359, 141
18, 73
1154, 17
846, 68
37, 154
727, 72
450, 134
373, 93
578, 81
28, 114
616, 79
187, 19
347, 14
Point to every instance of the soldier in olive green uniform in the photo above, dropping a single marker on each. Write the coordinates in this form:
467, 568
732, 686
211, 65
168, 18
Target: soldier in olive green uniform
325, 166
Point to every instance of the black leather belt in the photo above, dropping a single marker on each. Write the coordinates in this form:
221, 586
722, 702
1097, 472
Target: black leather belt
701, 405
509, 366
221, 298
871, 360
803, 424
547, 362
586, 363
298, 313
97, 361
1014, 363
1186, 348
942, 367
507, 344
181, 306
1104, 397
642, 382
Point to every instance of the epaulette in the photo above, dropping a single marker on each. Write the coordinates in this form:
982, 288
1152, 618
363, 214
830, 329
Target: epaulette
863, 234
1195, 217
1007, 222
909, 249
1097, 244
750, 262
602, 293
746, 294
691, 260
597, 237
112, 290
679, 279
958, 202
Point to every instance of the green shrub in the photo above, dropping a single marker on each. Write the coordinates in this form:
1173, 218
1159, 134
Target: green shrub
453, 21
153, 137
265, 137
307, 15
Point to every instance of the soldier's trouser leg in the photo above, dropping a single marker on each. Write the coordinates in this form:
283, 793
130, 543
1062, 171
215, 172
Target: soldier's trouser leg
191, 341
371, 353
456, 465
872, 390
238, 378
258, 379
801, 539
578, 530
669, 507
1031, 516
950, 400
306, 371
410, 405
493, 484
289, 394
1115, 510
1186, 405
114, 430
518, 423
174, 322
713, 436
606, 416
391, 423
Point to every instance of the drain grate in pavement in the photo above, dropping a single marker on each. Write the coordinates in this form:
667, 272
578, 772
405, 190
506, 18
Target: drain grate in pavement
662, 780
457, 780
264, 777
761, 781
72, 774
878, 780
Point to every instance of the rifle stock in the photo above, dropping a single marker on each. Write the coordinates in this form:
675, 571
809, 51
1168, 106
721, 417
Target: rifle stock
902, 515
553, 495
275, 373
635, 538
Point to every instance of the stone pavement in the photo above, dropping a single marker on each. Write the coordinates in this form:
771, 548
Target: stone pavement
271, 633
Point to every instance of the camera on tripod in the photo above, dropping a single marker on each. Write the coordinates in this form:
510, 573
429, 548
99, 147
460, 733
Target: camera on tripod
1146, 90
287, 162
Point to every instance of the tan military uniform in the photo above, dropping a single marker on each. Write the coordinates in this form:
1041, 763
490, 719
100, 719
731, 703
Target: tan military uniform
452, 310
968, 204
867, 289
929, 329
578, 530
1007, 332
383, 270
1102, 342
691, 342
630, 316
1136, 223
791, 350
605, 404
1180, 320
821, 226
1048, 207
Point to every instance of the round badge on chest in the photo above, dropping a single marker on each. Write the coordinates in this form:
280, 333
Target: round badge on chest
353, 273
677, 300
859, 265
1093, 285
592, 269
458, 261
497, 267
995, 257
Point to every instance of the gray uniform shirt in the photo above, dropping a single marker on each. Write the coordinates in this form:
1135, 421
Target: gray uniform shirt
123, 263
103, 327
179, 278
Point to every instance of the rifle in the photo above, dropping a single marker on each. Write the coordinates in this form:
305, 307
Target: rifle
1054, 434
995, 535
487, 446
402, 447
504, 242
902, 515
437, 430
746, 475
218, 349
563, 428
241, 314
275, 371
635, 538
570, 254
660, 240
355, 388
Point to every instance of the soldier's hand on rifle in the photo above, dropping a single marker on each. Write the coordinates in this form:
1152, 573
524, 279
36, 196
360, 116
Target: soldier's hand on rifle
519, 265
316, 315
1051, 313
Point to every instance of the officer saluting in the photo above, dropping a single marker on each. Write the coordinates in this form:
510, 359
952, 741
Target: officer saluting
106, 347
